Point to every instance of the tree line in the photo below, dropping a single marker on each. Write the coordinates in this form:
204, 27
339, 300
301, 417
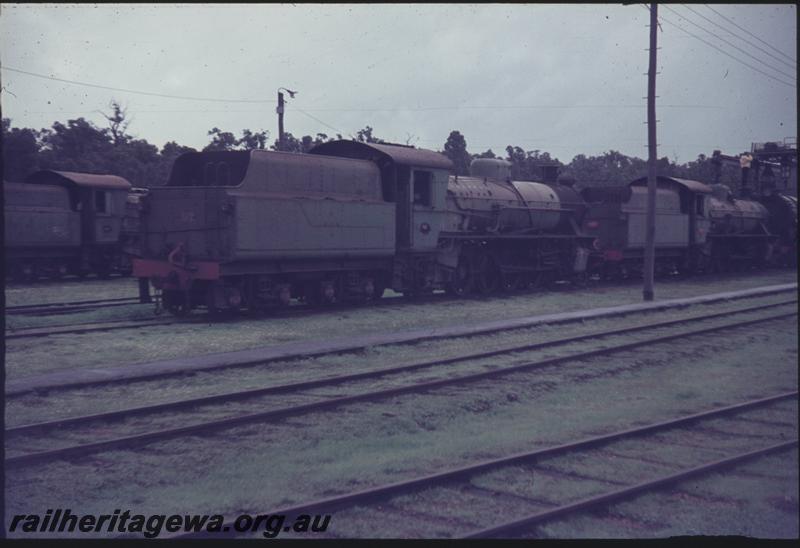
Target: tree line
79, 145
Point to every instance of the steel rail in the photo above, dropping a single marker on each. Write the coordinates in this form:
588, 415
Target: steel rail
70, 303
432, 334
627, 492
277, 313
404, 486
64, 308
88, 327
332, 381
148, 437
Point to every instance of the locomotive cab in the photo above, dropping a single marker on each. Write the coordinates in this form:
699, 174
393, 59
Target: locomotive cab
415, 180
99, 203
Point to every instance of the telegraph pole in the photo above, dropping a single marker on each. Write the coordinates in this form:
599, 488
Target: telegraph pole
650, 244
279, 110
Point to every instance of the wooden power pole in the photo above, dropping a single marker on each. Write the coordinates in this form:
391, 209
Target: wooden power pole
650, 237
279, 110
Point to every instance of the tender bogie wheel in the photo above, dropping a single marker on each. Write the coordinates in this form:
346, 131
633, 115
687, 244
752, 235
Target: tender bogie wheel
179, 310
177, 303
313, 297
378, 292
30, 272
103, 271
19, 274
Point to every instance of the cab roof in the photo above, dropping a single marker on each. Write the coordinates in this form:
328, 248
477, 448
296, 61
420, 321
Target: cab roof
399, 154
69, 178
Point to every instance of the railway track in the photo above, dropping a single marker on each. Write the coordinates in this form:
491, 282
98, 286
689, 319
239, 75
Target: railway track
87, 327
45, 309
262, 356
575, 476
312, 402
42, 309
112, 325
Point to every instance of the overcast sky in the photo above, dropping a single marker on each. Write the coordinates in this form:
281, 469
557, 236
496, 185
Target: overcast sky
567, 79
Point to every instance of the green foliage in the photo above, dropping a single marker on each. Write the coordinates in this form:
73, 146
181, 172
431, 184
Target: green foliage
365, 136
703, 169
225, 140
528, 165
20, 152
488, 154
304, 144
79, 145
220, 140
456, 149
251, 140
609, 169
118, 123
307, 143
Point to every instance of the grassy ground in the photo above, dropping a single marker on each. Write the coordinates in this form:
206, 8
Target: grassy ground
32, 356
34, 407
255, 468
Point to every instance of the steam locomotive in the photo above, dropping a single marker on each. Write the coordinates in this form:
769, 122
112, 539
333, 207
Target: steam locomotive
699, 228
254, 229
59, 223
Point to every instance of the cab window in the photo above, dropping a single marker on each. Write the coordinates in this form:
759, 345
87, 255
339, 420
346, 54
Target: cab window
422, 188
101, 202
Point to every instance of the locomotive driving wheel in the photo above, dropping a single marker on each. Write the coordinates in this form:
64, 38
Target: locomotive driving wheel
463, 279
486, 274
510, 282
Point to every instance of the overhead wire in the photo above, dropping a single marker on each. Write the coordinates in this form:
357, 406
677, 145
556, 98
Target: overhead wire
745, 40
318, 120
751, 34
665, 20
333, 109
727, 42
137, 92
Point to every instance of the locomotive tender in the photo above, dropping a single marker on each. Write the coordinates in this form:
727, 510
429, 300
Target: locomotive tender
254, 229
59, 222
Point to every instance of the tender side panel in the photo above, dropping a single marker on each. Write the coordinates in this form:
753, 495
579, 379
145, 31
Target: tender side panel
672, 225
198, 218
269, 227
304, 206
39, 216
